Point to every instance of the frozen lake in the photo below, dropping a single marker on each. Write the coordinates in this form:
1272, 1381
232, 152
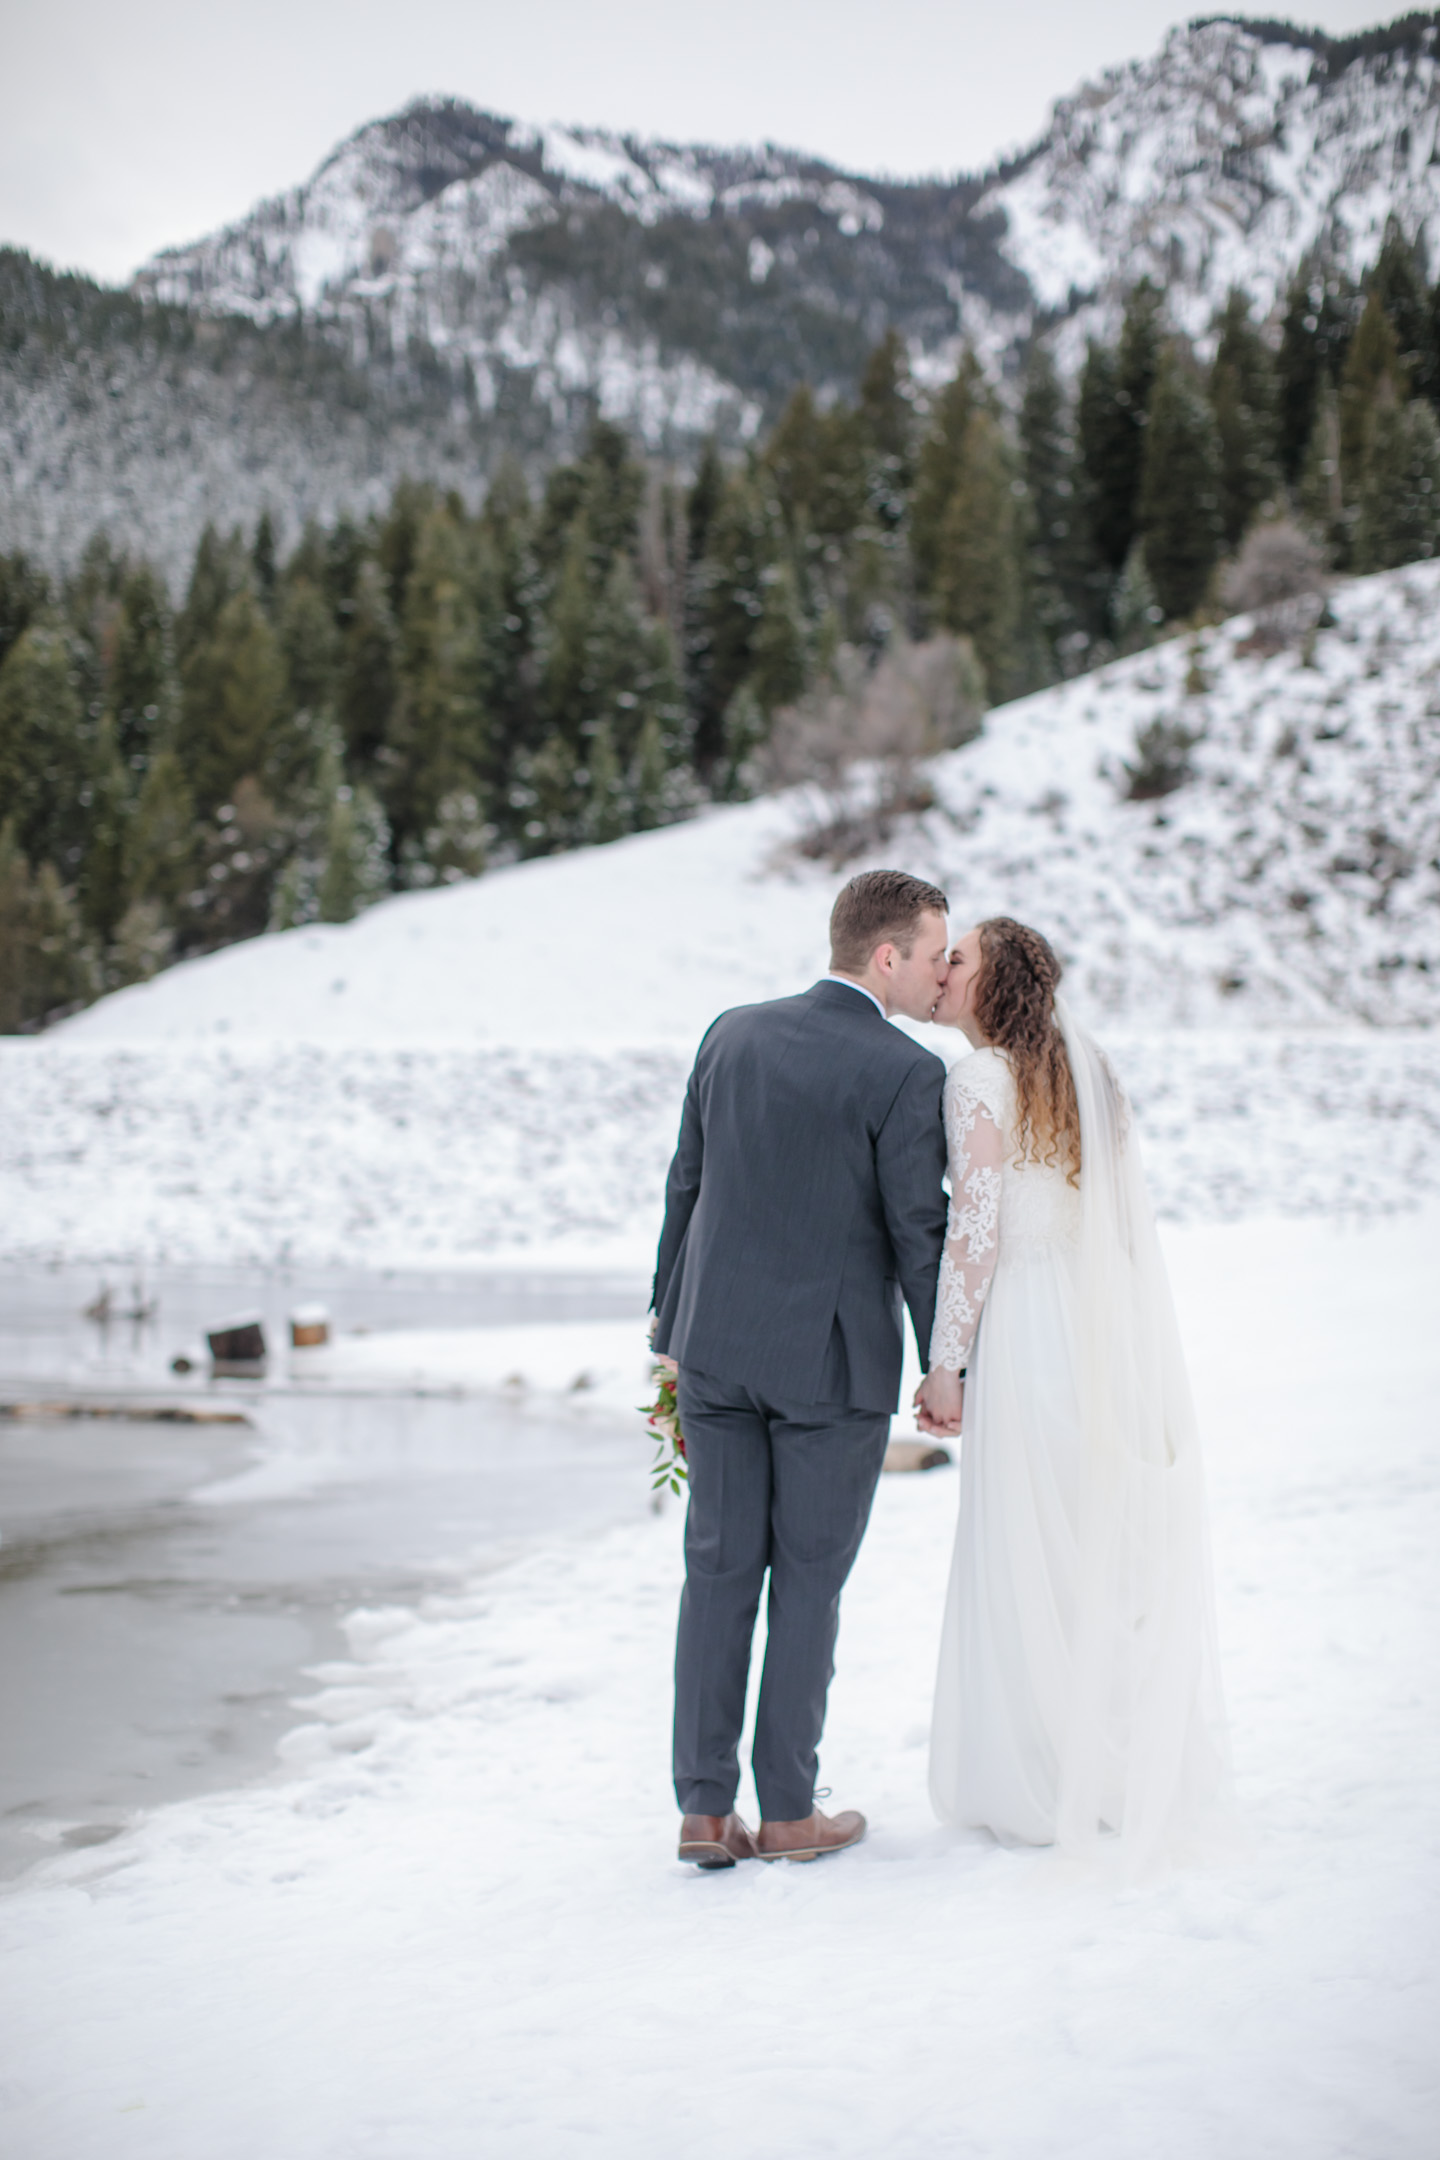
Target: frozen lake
164, 1585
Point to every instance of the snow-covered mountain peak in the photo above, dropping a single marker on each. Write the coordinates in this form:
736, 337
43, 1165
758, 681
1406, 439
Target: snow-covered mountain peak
1222, 160
485, 284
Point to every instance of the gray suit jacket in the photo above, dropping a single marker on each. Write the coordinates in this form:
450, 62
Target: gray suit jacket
804, 1201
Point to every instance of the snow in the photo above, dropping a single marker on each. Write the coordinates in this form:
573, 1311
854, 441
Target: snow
453, 1923
495, 1068
1295, 879
321, 1156
1218, 161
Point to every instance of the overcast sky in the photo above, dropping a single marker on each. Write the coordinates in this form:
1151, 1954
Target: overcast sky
127, 125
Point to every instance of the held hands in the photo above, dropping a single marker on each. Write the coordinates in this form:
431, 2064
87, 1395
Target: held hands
659, 1355
940, 1403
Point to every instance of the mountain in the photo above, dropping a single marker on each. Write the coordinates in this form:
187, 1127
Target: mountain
451, 285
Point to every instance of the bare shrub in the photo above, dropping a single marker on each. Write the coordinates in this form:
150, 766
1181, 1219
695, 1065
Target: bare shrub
859, 740
1162, 760
1279, 577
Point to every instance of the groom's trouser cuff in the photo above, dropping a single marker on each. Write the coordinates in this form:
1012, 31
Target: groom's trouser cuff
783, 1486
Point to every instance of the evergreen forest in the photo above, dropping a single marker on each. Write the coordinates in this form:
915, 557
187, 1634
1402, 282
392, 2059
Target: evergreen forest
403, 702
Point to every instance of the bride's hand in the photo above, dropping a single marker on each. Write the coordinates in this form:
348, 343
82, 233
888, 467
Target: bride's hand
940, 1404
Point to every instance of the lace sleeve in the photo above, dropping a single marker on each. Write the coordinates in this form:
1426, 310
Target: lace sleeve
977, 1149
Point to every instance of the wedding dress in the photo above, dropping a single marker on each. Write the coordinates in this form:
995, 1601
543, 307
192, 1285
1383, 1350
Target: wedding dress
1078, 1699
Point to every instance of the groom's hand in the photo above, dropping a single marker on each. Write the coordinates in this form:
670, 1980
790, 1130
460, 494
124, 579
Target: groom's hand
940, 1404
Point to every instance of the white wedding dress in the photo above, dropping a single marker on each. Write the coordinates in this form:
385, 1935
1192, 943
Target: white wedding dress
1078, 1699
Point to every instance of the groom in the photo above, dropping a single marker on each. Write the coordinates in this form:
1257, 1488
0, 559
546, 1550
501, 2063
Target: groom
803, 1203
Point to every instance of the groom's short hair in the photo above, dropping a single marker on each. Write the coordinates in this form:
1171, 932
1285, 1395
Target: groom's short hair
880, 907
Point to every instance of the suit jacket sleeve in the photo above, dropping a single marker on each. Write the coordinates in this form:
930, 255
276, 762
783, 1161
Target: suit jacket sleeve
682, 1188
910, 1167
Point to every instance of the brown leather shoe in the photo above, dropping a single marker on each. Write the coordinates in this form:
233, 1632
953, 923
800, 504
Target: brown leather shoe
716, 1841
810, 1838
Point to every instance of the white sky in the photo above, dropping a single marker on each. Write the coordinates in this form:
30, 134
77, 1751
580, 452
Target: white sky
127, 125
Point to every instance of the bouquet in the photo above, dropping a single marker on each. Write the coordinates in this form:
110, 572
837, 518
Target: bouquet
663, 1418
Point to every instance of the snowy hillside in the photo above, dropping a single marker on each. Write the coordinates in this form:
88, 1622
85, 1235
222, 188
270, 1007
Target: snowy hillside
1295, 876
496, 1068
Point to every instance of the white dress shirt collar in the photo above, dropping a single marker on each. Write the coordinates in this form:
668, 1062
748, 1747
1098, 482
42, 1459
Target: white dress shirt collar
851, 984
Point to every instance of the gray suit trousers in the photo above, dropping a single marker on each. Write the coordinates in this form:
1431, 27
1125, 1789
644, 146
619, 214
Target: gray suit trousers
783, 1486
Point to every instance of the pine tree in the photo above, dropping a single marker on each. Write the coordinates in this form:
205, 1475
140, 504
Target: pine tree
702, 507
220, 570
737, 777
356, 851
101, 888
365, 668
144, 943
262, 560
91, 603
1398, 497
309, 644
654, 796
977, 589
47, 965
567, 686
1115, 393
937, 470
46, 748
1242, 400
552, 788
1180, 488
15, 903
437, 737
746, 551
1397, 284
1372, 370
24, 597
1321, 496
411, 505
1314, 339
887, 428
161, 837
605, 814
1136, 614
141, 692
816, 462
1058, 594
777, 671
232, 702
507, 600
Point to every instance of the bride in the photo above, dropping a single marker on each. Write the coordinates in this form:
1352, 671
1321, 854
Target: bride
1078, 1698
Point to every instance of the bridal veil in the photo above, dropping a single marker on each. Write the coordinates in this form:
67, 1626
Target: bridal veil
1143, 1750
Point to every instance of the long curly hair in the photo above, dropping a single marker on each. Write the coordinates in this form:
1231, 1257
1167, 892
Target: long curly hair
1015, 1008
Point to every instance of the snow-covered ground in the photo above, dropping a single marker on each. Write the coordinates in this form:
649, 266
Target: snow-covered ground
420, 1158
496, 1068
454, 1924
